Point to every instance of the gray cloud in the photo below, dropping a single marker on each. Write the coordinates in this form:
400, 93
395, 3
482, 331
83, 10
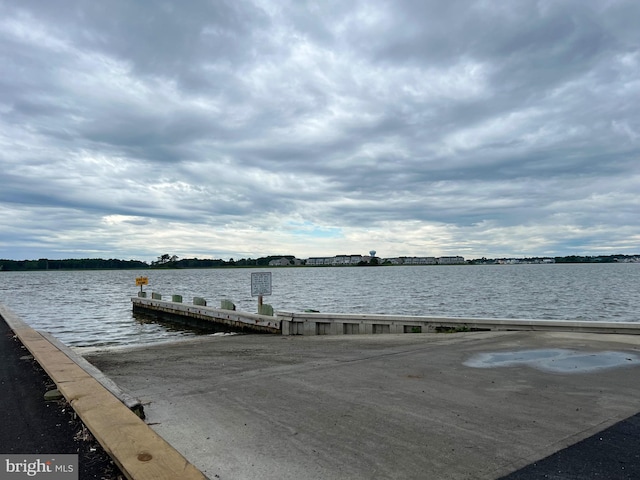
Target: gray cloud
465, 127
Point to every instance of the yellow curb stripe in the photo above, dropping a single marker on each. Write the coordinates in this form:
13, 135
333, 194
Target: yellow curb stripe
138, 451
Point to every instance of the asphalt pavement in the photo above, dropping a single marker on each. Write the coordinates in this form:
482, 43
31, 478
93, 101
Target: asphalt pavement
31, 425
612, 454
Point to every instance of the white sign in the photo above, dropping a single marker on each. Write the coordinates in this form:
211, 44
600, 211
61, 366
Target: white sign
260, 284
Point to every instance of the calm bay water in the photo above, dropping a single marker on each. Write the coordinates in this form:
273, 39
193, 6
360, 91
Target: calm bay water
93, 308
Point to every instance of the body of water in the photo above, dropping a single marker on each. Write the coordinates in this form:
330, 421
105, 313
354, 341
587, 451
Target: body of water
93, 308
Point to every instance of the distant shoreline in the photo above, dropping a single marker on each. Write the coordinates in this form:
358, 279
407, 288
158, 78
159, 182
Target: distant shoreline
268, 262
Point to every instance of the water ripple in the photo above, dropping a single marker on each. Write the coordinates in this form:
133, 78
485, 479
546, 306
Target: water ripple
93, 308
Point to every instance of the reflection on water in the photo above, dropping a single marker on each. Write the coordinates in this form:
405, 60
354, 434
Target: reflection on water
175, 328
182, 330
90, 308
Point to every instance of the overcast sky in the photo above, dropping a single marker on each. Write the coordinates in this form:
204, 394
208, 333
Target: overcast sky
218, 129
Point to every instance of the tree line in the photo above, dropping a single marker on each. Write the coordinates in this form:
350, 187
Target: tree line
172, 261
164, 261
71, 264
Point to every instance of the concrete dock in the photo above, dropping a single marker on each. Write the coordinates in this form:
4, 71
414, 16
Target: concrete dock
199, 315
477, 405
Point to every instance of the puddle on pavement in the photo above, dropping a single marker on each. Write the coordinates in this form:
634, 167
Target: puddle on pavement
556, 360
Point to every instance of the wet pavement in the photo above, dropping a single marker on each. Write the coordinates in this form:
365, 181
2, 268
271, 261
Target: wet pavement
555, 360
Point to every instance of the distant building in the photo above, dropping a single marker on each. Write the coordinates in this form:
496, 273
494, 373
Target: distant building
520, 261
338, 260
347, 259
360, 259
394, 261
450, 260
280, 262
425, 260
315, 261
419, 260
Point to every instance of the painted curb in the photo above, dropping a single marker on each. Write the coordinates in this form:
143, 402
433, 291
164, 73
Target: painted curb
139, 452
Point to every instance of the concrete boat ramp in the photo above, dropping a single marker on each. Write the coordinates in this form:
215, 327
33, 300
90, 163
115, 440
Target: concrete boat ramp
476, 405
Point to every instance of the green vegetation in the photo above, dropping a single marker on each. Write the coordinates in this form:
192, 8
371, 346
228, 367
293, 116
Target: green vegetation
70, 264
374, 261
171, 261
598, 259
163, 261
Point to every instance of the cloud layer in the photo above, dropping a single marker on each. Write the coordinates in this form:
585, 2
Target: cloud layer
248, 128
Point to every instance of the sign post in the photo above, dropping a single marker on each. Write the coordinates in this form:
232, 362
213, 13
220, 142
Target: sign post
260, 285
142, 281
